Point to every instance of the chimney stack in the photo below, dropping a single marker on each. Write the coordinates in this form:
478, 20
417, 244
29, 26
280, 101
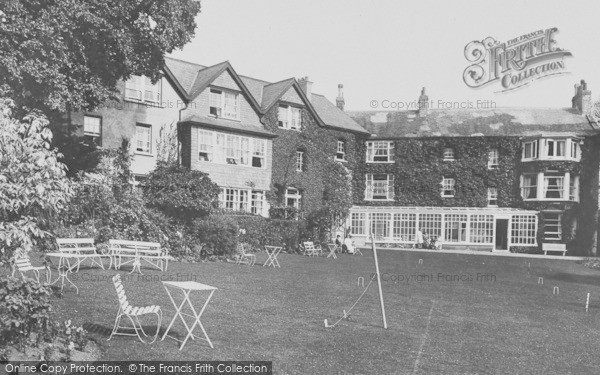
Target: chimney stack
582, 101
423, 104
339, 101
306, 86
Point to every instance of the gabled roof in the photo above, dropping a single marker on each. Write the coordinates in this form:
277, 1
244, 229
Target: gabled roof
272, 92
191, 79
476, 122
181, 74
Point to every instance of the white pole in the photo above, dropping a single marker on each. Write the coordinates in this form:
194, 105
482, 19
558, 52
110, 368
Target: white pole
587, 302
378, 280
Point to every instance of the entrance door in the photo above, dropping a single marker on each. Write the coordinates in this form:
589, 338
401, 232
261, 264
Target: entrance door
501, 234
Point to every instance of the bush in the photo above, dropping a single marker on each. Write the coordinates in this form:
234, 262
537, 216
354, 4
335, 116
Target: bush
218, 233
259, 231
181, 193
24, 309
526, 249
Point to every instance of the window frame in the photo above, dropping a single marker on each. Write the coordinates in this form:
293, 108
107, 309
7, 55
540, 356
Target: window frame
448, 154
493, 158
374, 146
532, 188
290, 114
96, 137
552, 220
340, 150
448, 185
221, 106
149, 140
492, 196
141, 86
299, 160
370, 188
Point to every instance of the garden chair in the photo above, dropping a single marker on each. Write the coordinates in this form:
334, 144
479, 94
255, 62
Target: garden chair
133, 314
23, 264
243, 256
310, 249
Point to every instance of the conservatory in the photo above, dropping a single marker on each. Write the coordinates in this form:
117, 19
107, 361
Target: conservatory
490, 228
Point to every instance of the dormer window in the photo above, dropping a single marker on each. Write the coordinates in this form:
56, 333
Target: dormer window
530, 150
289, 117
224, 104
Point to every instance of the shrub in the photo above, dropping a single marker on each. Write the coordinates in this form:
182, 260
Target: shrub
526, 249
259, 231
24, 309
219, 233
181, 193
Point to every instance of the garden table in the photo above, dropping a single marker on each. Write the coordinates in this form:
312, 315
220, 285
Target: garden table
64, 267
332, 249
186, 287
272, 252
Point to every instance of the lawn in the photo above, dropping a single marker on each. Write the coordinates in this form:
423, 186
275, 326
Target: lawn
457, 314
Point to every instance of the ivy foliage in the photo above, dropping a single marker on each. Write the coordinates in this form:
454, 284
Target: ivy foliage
325, 184
70, 54
33, 186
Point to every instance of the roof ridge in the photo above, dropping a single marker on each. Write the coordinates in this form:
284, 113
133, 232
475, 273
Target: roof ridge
283, 80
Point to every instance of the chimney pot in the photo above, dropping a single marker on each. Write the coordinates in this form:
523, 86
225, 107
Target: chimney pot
582, 101
306, 86
339, 101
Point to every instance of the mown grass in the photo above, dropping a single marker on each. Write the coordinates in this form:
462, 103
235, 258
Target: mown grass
505, 323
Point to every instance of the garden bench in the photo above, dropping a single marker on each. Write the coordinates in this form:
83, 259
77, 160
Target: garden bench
554, 247
85, 248
136, 251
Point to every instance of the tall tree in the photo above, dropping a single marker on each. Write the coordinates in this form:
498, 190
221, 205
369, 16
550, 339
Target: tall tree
60, 55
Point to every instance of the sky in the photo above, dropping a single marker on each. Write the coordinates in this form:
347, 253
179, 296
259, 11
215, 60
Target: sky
384, 52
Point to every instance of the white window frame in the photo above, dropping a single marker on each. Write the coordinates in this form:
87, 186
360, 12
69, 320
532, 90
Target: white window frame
379, 185
140, 89
295, 195
380, 152
492, 197
523, 230
493, 158
534, 148
358, 222
289, 117
340, 154
552, 226
481, 229
143, 146
430, 224
448, 185
527, 184
558, 187
92, 127
257, 203
448, 154
231, 149
404, 227
206, 145
380, 224
299, 160
221, 107
555, 148
456, 224
574, 189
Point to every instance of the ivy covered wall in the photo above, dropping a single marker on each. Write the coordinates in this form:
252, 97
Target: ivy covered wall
319, 145
419, 168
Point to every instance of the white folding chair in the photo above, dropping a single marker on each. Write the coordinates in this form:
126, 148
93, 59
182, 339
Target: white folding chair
243, 256
133, 314
23, 264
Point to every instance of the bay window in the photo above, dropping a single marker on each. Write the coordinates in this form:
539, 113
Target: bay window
231, 149
529, 186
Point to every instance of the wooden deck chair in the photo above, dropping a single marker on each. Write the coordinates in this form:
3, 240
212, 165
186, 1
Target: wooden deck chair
243, 256
133, 314
23, 264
